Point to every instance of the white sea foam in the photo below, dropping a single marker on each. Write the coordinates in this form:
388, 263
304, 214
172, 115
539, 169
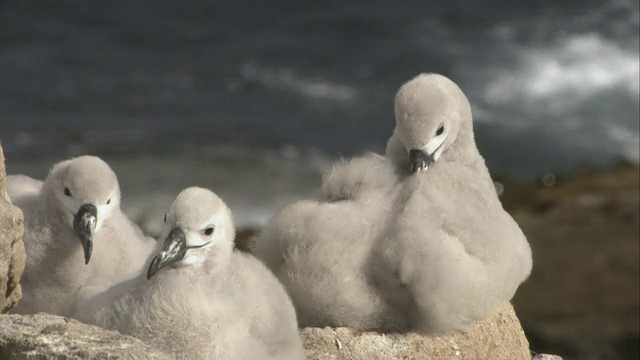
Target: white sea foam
567, 72
628, 141
289, 80
583, 89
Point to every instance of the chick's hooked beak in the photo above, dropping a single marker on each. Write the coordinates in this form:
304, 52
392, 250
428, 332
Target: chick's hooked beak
175, 247
420, 160
84, 224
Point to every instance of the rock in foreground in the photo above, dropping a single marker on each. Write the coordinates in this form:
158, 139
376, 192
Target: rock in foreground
50, 337
12, 255
499, 337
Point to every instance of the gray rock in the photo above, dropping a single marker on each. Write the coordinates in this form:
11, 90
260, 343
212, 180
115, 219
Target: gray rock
499, 337
12, 255
48, 337
44, 336
546, 357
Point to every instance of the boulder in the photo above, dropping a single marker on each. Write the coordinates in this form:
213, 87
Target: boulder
12, 255
499, 337
48, 337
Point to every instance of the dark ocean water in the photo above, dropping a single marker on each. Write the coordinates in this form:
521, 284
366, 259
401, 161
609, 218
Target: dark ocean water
254, 99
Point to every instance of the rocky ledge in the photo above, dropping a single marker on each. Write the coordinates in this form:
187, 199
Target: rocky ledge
12, 256
498, 337
43, 336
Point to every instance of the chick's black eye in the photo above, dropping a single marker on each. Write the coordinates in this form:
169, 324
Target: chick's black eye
108, 201
440, 130
208, 231
67, 191
165, 218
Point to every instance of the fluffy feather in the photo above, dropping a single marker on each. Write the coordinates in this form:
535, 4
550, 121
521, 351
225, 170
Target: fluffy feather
216, 302
449, 243
399, 243
320, 249
56, 279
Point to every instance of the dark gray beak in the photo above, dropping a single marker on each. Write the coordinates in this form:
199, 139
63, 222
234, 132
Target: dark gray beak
420, 161
84, 223
175, 246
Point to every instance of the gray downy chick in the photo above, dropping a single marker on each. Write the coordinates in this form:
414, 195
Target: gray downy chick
77, 240
202, 299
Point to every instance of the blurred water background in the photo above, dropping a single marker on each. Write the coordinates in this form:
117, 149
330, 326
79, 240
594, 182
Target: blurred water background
254, 99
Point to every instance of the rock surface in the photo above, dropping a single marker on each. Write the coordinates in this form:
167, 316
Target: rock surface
50, 337
499, 337
43, 336
12, 255
546, 357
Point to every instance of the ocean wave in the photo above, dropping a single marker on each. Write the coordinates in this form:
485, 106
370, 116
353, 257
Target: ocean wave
564, 74
289, 80
581, 90
628, 141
